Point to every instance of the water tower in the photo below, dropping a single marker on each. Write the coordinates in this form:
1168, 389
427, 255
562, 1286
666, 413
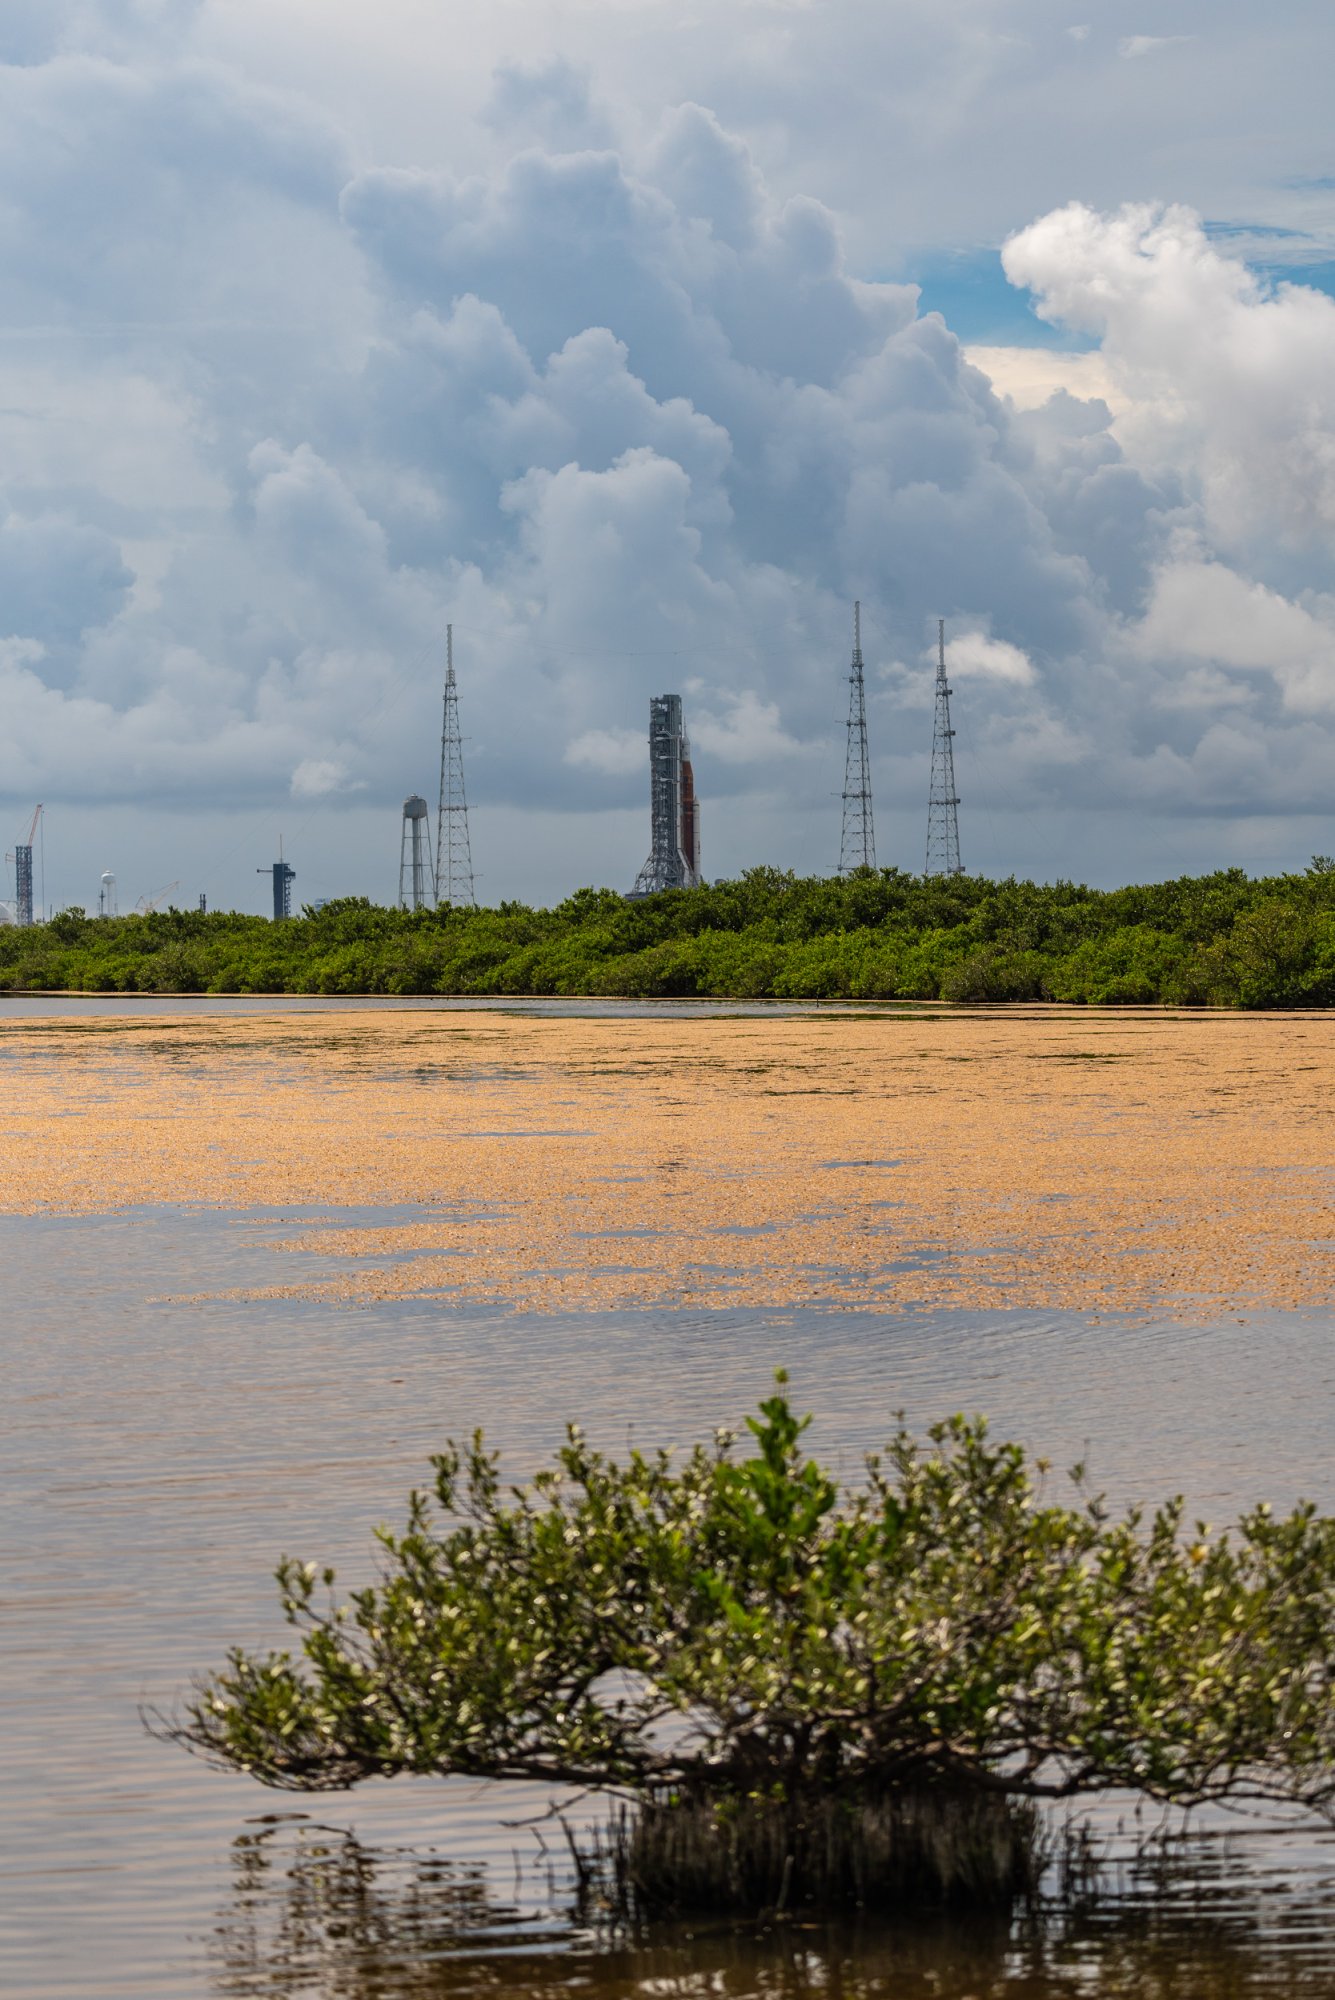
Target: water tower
417, 888
106, 896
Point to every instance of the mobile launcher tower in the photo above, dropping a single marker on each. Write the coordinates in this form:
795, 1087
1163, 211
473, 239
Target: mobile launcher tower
674, 810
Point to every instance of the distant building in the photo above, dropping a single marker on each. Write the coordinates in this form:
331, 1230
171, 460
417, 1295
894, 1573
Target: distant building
674, 809
283, 878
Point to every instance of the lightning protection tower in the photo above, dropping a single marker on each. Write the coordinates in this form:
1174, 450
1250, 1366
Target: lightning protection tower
943, 825
454, 854
417, 886
857, 843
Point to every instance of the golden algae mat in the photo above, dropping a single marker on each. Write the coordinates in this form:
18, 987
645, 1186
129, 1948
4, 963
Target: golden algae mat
1033, 1157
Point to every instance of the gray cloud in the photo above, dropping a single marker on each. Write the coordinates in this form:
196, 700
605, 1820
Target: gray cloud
630, 418
551, 104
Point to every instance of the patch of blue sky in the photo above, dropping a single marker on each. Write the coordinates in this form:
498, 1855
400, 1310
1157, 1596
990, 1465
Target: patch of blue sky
971, 292
1292, 256
1320, 277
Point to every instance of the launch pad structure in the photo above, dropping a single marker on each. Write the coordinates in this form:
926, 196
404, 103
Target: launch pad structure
674, 810
24, 907
284, 875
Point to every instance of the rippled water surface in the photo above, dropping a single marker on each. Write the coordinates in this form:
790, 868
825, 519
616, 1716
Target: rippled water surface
159, 1456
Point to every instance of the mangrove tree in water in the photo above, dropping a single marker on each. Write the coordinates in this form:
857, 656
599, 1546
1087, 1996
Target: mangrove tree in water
805, 1697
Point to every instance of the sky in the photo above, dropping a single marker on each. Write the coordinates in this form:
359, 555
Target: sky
635, 341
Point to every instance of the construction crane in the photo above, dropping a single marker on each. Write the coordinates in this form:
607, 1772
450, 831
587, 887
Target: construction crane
147, 904
22, 860
31, 835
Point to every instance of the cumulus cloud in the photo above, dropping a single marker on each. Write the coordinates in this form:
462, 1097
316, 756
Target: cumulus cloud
317, 777
1224, 376
1205, 611
975, 654
747, 731
630, 418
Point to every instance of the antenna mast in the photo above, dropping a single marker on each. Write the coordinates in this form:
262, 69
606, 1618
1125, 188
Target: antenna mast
857, 843
454, 855
943, 825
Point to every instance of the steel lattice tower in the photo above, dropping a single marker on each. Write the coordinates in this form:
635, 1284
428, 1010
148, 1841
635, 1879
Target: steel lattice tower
454, 855
23, 884
943, 824
857, 842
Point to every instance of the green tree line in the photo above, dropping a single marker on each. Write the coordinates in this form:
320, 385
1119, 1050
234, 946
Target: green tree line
1225, 939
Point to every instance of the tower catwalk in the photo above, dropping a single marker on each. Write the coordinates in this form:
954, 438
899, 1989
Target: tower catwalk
943, 824
857, 842
454, 855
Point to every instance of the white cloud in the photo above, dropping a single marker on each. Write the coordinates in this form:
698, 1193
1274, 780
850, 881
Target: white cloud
973, 654
602, 382
747, 731
317, 777
1225, 379
1204, 611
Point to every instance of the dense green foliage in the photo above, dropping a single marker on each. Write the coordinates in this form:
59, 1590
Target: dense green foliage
1222, 939
733, 1628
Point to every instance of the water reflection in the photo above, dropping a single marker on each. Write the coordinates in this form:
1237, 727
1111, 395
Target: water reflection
315, 1912
158, 1457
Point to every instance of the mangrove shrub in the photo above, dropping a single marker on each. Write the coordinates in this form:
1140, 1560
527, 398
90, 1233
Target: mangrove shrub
804, 1695
1222, 939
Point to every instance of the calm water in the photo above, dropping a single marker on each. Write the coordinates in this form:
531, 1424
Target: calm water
159, 1456
128, 1006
